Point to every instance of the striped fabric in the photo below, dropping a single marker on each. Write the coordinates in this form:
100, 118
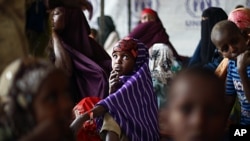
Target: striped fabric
134, 105
234, 86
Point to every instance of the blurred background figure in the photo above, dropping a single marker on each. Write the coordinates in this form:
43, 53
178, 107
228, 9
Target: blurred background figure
94, 34
13, 41
110, 36
35, 103
206, 54
239, 6
150, 31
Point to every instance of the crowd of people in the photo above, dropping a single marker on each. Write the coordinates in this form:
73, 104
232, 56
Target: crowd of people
135, 88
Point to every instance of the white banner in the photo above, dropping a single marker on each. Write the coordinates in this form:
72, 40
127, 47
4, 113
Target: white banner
181, 18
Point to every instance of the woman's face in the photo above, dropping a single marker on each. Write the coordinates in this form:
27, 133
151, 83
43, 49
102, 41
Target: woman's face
146, 17
53, 101
58, 19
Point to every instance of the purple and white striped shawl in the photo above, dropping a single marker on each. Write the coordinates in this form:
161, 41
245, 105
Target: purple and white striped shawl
134, 105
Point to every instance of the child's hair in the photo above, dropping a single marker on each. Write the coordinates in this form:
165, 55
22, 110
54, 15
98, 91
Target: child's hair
224, 25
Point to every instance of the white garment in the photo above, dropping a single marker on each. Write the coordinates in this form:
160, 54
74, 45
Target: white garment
112, 39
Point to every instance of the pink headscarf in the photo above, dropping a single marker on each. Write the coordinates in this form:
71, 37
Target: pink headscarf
241, 17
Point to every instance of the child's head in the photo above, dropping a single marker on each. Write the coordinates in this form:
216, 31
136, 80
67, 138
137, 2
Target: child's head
33, 92
229, 40
124, 56
196, 108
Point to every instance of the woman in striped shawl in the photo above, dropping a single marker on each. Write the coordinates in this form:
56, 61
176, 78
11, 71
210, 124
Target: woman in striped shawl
131, 108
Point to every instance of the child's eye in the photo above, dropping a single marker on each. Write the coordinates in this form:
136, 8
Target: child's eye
114, 56
186, 109
125, 57
51, 97
224, 49
234, 41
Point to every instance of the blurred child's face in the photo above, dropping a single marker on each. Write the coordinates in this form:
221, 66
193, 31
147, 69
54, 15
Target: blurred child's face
123, 62
230, 45
195, 111
53, 101
146, 17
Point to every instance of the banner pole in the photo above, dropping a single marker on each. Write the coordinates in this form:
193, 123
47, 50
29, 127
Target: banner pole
101, 30
129, 16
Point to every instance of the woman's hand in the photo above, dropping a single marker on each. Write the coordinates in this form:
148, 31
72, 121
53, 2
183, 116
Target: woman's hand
114, 81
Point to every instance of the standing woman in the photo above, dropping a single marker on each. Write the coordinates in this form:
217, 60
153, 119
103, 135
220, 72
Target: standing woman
80, 56
110, 36
206, 54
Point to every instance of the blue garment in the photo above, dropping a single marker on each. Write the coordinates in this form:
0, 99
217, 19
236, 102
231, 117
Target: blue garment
234, 86
195, 60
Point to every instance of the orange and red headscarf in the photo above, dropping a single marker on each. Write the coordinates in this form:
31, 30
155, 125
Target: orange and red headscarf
127, 44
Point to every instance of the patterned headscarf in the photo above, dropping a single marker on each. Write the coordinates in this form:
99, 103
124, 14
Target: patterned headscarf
19, 84
161, 62
134, 105
241, 17
127, 44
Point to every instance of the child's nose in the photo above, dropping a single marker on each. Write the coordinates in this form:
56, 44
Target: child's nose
233, 49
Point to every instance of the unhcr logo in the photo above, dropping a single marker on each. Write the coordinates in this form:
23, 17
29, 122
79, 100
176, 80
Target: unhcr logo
196, 7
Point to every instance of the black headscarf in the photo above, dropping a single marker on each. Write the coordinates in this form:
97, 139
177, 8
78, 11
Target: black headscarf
107, 28
210, 17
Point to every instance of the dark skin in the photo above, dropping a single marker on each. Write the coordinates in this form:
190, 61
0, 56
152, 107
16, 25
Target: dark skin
122, 63
52, 107
190, 115
62, 58
233, 44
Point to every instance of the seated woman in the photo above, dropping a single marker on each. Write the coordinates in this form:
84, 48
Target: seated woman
163, 66
131, 106
35, 102
151, 31
110, 36
79, 55
206, 54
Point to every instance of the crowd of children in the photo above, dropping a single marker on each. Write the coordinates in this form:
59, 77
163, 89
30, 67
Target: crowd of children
141, 90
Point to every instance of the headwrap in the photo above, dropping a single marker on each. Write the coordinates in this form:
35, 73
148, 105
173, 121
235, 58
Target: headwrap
153, 32
161, 63
19, 84
108, 28
241, 17
149, 11
134, 105
91, 64
127, 44
207, 48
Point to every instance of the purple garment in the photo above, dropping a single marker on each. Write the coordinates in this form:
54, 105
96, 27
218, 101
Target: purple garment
134, 105
91, 64
153, 32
